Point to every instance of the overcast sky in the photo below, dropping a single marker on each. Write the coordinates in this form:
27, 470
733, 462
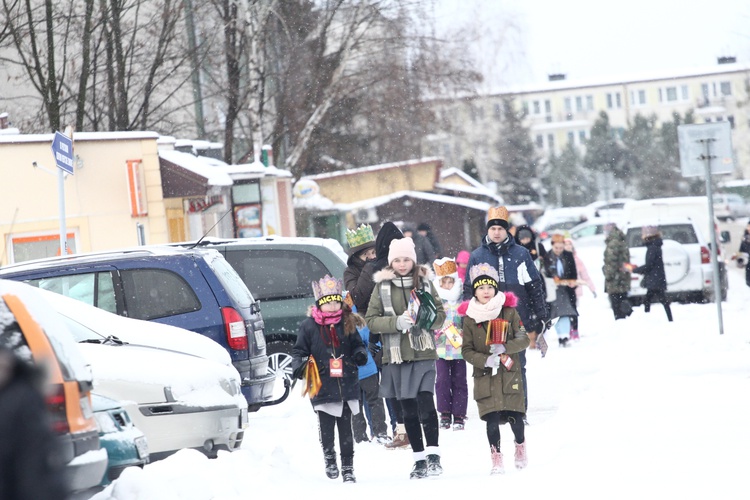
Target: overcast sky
590, 38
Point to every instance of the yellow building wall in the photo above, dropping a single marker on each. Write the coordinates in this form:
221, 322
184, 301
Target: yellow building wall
97, 203
365, 183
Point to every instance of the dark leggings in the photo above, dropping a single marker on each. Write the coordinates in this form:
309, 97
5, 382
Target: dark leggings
496, 418
420, 414
660, 297
326, 428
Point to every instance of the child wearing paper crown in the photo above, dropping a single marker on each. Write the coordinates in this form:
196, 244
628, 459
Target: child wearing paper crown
409, 355
451, 389
493, 337
326, 354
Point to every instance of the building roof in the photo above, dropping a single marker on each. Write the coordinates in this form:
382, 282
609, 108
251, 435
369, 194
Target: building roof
373, 168
80, 136
439, 198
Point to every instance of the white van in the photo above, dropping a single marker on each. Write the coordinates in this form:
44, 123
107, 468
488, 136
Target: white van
693, 207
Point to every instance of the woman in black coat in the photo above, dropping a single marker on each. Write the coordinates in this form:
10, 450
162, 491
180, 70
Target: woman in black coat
654, 278
560, 265
327, 353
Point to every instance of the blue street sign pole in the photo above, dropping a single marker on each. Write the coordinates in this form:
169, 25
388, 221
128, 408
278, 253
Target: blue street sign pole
62, 149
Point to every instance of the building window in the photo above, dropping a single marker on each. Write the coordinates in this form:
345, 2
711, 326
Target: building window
537, 108
582, 136
671, 94
726, 88
539, 141
547, 106
684, 92
571, 138
498, 112
579, 104
730, 119
638, 97
568, 105
551, 142
609, 101
618, 100
704, 91
590, 103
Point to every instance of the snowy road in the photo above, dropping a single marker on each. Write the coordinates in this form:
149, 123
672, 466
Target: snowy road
639, 408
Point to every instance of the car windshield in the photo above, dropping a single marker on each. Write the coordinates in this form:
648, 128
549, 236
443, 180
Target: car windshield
681, 233
81, 333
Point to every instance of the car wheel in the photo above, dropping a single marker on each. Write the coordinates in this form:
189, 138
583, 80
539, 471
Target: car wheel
280, 359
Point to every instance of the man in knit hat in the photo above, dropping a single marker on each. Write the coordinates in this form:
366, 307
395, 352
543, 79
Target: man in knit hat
517, 273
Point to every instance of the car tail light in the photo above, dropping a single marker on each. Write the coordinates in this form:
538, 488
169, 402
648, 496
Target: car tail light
234, 326
705, 256
56, 408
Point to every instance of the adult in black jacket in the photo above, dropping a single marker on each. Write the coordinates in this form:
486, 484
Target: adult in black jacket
745, 248
329, 341
30, 466
358, 282
654, 278
526, 237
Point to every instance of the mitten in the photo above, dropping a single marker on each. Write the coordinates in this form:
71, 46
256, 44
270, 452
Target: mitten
360, 357
299, 372
404, 322
493, 361
497, 348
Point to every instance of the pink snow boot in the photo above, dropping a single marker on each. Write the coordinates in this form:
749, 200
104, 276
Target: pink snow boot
497, 462
521, 460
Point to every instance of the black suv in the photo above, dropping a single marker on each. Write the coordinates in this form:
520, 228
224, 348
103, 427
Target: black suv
195, 289
279, 272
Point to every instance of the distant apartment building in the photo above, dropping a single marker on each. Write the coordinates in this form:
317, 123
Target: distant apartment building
561, 112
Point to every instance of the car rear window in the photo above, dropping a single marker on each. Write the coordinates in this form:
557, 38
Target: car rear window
277, 274
157, 293
230, 280
681, 233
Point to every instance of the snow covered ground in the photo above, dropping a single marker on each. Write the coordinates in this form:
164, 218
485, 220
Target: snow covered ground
638, 408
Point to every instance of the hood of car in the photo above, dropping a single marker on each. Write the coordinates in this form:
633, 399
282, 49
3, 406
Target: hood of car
147, 375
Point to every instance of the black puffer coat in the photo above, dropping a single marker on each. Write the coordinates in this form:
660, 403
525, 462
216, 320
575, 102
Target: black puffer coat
358, 282
314, 340
653, 270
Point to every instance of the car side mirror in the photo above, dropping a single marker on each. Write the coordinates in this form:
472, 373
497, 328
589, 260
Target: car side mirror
725, 237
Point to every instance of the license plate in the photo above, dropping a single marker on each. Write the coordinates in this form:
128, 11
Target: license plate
243, 418
86, 408
141, 446
260, 339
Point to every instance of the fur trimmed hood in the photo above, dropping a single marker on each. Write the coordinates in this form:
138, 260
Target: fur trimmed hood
388, 274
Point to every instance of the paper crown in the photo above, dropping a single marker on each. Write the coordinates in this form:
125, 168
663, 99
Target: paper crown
360, 238
498, 216
445, 267
483, 274
558, 238
328, 289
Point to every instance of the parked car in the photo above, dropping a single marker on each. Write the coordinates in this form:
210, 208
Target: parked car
177, 400
609, 210
195, 289
728, 206
558, 219
589, 233
278, 271
687, 261
69, 380
126, 445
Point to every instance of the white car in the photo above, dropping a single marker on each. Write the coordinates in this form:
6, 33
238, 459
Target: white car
609, 210
178, 400
589, 233
730, 206
687, 260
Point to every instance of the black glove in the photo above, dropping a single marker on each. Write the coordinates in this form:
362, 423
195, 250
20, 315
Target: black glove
546, 325
360, 357
373, 348
299, 372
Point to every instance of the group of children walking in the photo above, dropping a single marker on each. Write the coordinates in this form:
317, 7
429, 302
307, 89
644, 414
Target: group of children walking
411, 319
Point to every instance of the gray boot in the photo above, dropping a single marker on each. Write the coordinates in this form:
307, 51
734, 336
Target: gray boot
332, 470
347, 469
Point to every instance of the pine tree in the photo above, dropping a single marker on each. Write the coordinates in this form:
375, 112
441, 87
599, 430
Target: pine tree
470, 168
605, 154
517, 170
567, 179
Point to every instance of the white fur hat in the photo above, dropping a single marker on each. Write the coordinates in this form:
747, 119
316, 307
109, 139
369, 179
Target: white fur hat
402, 247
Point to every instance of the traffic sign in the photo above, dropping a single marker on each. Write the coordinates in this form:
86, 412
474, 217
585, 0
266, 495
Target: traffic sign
62, 149
700, 141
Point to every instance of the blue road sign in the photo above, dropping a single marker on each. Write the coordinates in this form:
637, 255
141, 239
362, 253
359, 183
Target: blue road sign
62, 148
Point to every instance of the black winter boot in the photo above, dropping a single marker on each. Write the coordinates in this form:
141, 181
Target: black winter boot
347, 469
433, 465
332, 470
419, 471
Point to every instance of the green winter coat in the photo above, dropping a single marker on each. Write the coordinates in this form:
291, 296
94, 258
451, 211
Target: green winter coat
503, 391
378, 322
617, 253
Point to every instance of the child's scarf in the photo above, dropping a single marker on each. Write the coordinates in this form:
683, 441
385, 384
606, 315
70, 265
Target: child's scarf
485, 312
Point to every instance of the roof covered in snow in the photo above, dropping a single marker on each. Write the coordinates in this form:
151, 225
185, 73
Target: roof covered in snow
80, 136
200, 165
439, 198
373, 168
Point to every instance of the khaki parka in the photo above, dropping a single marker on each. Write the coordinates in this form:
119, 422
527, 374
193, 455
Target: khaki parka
378, 322
503, 391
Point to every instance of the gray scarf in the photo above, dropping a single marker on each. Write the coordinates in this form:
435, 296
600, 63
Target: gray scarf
419, 339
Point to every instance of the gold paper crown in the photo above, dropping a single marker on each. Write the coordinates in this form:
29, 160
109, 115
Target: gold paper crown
359, 236
558, 238
327, 286
497, 213
445, 267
